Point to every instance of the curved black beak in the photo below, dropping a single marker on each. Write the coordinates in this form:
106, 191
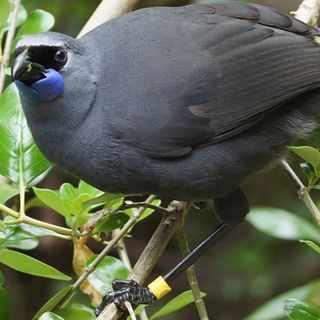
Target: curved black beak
25, 70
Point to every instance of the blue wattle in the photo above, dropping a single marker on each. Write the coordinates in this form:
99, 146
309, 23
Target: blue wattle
28, 94
49, 87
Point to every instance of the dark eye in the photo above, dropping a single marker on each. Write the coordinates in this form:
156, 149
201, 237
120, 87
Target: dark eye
61, 56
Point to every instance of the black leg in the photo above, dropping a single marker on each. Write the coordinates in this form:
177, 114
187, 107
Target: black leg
231, 209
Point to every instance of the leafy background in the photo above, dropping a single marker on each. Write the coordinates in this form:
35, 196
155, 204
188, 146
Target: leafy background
246, 270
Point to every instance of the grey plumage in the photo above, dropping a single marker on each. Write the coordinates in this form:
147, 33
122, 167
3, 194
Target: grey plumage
182, 102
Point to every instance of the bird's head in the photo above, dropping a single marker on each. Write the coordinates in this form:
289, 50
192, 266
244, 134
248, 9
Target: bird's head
39, 64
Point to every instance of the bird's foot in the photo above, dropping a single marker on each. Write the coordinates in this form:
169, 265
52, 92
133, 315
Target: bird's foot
126, 290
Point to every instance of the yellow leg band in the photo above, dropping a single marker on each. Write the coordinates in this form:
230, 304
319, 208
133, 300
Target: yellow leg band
159, 287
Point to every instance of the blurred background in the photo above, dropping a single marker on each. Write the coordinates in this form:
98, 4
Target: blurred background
241, 273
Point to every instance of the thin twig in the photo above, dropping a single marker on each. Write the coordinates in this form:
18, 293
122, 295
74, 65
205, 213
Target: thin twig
145, 205
192, 277
7, 47
302, 191
130, 223
35, 222
130, 310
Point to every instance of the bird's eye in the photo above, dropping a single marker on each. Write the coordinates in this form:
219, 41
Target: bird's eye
61, 56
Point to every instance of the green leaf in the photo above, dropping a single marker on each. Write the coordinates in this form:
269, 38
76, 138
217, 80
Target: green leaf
22, 236
20, 159
23, 263
176, 304
54, 301
311, 244
14, 236
69, 200
308, 154
104, 198
108, 269
4, 12
308, 170
282, 224
38, 21
52, 199
7, 192
111, 222
50, 316
4, 301
273, 309
76, 312
298, 310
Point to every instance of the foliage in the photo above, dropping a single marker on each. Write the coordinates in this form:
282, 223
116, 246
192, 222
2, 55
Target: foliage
285, 225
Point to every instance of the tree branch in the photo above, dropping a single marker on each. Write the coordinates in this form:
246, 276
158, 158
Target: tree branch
152, 252
308, 12
192, 277
107, 10
302, 191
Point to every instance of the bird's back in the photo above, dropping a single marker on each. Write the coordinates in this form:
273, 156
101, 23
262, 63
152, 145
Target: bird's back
175, 79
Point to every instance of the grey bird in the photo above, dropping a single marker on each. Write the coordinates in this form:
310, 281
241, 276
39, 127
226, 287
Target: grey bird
186, 103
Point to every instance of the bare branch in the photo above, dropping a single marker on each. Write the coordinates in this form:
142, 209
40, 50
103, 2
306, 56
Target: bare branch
107, 10
308, 12
192, 277
302, 191
151, 254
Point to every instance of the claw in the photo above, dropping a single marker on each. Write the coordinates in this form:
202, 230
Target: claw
126, 290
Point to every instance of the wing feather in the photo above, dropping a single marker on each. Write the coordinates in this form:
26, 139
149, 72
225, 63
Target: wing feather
204, 73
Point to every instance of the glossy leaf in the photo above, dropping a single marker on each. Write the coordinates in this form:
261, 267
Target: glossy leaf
52, 199
282, 224
7, 192
312, 245
23, 263
20, 159
308, 170
298, 310
179, 302
108, 269
50, 316
4, 12
4, 301
308, 154
68, 200
13, 236
111, 222
37, 21
54, 301
273, 309
76, 312
108, 199
22, 236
